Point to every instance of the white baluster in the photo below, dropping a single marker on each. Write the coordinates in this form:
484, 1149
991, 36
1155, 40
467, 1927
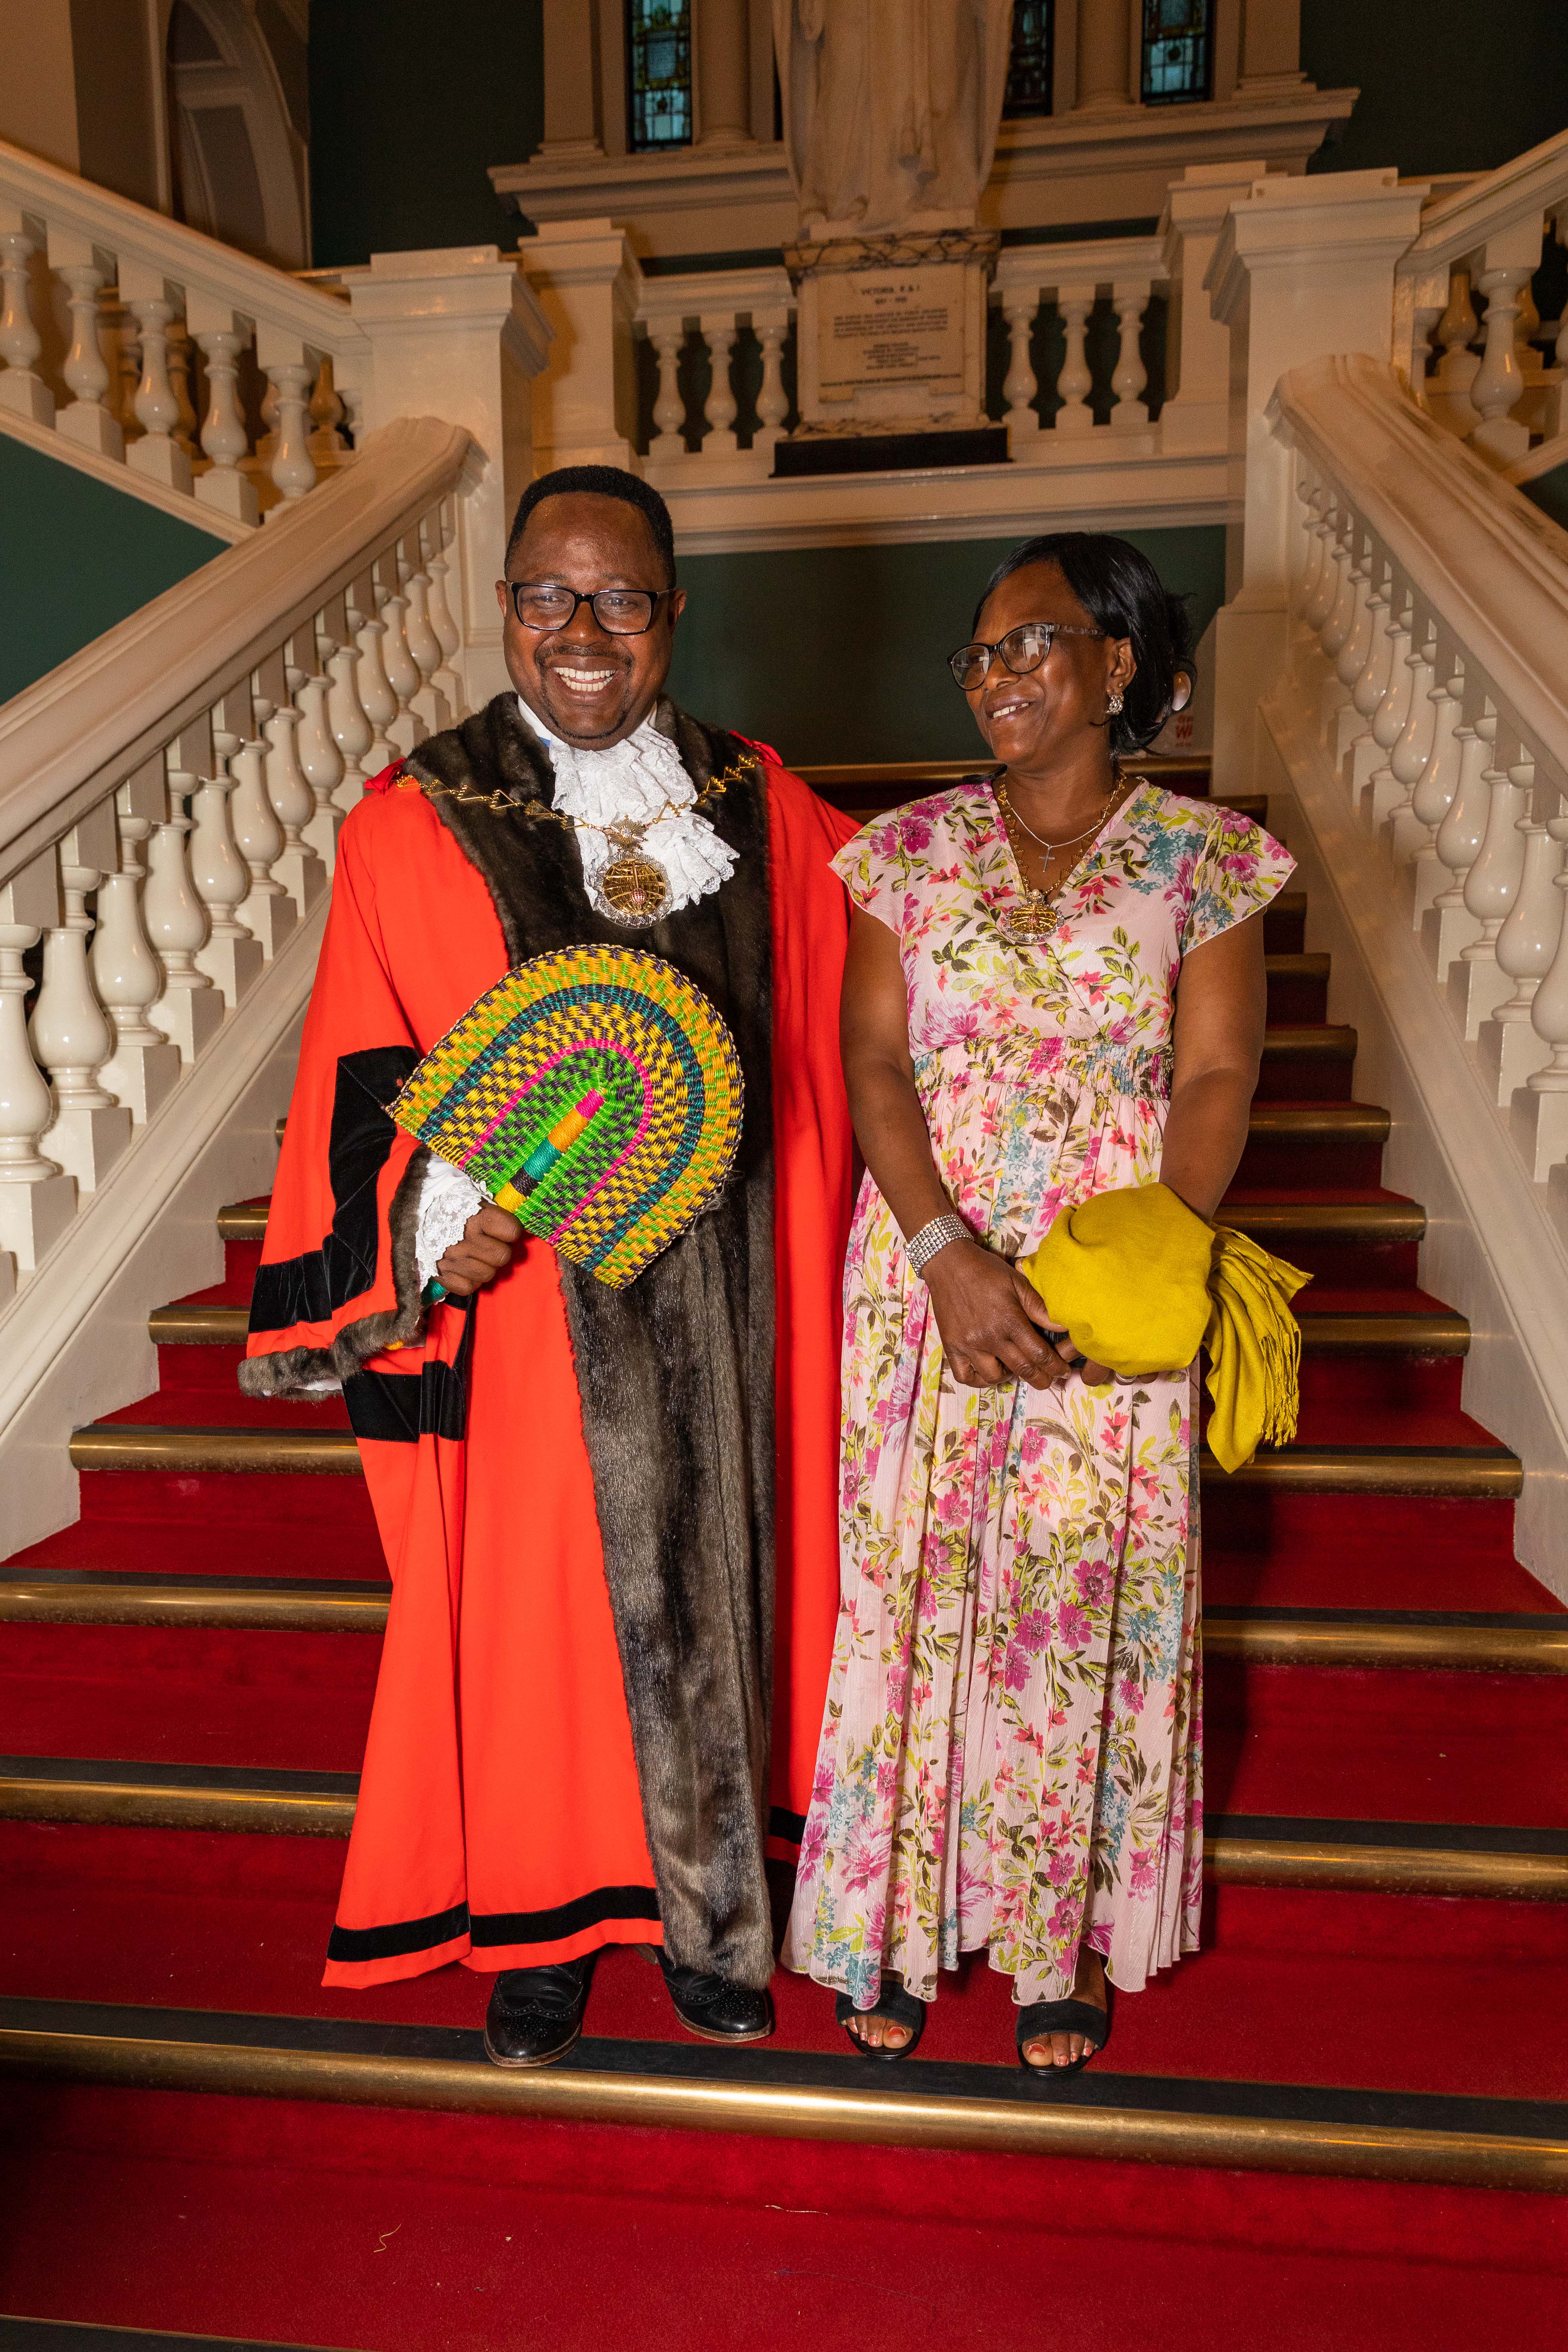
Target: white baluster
1477, 982
424, 645
266, 910
85, 418
1411, 754
328, 447
1362, 754
156, 454
1449, 392
1020, 307
1314, 533
770, 328
1507, 1045
318, 756
190, 1010
1131, 415
144, 1067
669, 409
1341, 615
224, 435
1351, 655
231, 959
301, 871
1499, 384
22, 390
1316, 612
447, 636
37, 1201
1389, 719
293, 469
377, 699
1448, 925
351, 730
1076, 382
720, 407
70, 1033
401, 668
1540, 1108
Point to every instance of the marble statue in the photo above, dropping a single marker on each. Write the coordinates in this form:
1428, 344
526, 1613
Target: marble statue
890, 109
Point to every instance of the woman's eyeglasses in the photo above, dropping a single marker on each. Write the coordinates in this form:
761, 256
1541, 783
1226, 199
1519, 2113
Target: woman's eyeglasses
1023, 649
620, 612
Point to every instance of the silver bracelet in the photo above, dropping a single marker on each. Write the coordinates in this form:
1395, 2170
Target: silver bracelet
921, 1247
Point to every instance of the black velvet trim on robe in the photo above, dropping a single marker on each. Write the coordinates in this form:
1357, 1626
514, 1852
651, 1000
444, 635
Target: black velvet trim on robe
676, 1371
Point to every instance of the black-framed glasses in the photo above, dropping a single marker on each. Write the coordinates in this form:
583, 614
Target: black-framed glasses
1023, 649
620, 612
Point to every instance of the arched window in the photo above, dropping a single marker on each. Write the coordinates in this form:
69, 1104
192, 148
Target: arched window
1029, 66
1178, 50
659, 75
238, 161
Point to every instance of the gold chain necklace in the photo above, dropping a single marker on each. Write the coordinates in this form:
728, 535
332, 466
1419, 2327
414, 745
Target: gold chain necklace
634, 887
1033, 921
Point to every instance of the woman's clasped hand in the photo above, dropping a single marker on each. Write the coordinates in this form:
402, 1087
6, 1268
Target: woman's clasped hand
995, 1326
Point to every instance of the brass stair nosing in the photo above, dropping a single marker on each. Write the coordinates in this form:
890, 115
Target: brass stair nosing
1307, 1040
1297, 963
1348, 1121
244, 1221
1437, 1649
1377, 1222
906, 2116
1304, 1469
146, 1601
186, 1327
133, 1804
1241, 1861
1433, 1334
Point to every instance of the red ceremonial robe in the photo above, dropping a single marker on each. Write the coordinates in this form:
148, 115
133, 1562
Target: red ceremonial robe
499, 1820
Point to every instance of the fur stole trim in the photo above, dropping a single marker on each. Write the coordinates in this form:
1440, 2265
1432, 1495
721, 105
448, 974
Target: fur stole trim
674, 1373
289, 1371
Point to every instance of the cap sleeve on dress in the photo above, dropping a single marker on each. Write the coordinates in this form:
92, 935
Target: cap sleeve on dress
1240, 869
874, 870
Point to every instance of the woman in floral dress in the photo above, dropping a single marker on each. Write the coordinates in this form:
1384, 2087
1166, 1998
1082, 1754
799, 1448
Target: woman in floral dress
1011, 1753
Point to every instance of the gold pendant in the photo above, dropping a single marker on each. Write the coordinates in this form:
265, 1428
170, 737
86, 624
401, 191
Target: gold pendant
1028, 924
636, 890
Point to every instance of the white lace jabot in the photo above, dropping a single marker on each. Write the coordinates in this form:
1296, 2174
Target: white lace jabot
629, 783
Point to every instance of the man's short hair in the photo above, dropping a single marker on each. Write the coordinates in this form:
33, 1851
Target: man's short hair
602, 482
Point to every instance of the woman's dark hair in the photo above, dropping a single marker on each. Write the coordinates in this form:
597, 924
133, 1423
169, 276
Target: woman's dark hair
1121, 592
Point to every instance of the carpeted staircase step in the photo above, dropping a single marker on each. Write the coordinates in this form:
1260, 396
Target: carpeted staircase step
1461, 1640
1517, 1862
83, 2335
1289, 2128
1455, 1470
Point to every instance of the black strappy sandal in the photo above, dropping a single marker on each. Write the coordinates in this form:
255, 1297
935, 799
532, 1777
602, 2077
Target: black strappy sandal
1045, 2017
899, 2006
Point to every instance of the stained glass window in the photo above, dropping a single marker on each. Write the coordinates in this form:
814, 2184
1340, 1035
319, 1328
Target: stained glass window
1029, 66
1178, 50
659, 74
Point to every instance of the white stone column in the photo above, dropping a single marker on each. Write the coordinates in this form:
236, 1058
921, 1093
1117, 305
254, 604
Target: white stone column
1303, 266
460, 335
1104, 56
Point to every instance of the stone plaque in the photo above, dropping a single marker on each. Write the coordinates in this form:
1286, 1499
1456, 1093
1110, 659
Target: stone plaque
893, 328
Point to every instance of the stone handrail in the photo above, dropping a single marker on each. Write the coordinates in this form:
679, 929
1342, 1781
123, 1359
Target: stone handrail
1428, 640
225, 728
1487, 237
209, 374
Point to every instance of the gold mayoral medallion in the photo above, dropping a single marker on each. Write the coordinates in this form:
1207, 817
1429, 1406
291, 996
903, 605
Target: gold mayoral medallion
634, 889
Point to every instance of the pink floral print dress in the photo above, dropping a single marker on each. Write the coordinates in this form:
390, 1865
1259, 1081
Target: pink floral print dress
1011, 1755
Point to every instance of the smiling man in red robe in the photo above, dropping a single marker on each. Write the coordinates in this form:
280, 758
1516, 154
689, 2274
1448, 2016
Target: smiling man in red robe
610, 1515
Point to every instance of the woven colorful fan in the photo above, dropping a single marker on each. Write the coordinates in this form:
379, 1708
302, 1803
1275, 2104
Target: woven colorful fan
596, 1093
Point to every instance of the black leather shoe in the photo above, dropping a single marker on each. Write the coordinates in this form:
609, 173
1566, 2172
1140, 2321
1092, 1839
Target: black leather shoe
536, 2014
714, 2008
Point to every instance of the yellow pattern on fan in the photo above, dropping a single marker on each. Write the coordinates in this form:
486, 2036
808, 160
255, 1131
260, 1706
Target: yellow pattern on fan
596, 1093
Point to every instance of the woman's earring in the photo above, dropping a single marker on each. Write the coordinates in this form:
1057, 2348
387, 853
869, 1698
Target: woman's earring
1113, 704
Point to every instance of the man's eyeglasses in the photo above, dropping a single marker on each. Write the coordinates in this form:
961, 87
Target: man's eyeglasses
1023, 649
620, 612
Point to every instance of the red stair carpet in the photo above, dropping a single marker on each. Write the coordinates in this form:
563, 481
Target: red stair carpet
186, 1677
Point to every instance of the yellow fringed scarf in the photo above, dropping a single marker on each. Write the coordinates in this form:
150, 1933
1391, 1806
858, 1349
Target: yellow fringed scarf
1138, 1283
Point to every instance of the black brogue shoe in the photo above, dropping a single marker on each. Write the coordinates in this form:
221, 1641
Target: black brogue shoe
536, 2014
714, 2008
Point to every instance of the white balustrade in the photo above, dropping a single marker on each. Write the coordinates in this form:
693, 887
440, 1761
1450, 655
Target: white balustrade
1074, 382
85, 417
376, 697
401, 671
321, 761
1448, 924
22, 390
720, 408
301, 871
1511, 1049
441, 531
1392, 712
1477, 983
224, 435
144, 1066
1539, 1108
37, 1199
292, 470
266, 910
69, 1031
155, 452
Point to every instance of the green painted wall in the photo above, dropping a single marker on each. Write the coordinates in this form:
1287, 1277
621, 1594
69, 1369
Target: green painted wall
1444, 85
409, 105
1550, 493
839, 653
77, 556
